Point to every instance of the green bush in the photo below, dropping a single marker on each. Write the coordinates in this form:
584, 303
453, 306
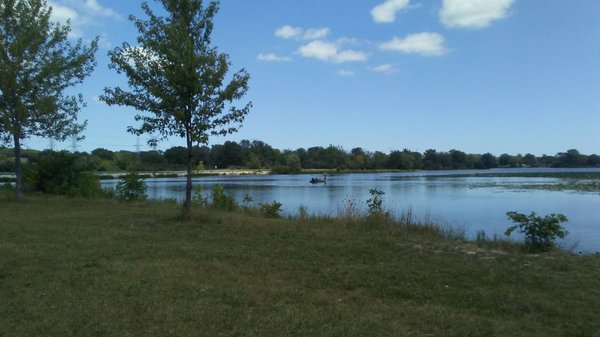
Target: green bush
222, 200
131, 187
540, 233
200, 200
374, 204
271, 210
61, 173
246, 203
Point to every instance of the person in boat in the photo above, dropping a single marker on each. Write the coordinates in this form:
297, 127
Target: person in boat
319, 181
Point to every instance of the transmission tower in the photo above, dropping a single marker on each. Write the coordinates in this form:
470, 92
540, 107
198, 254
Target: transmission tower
137, 146
74, 145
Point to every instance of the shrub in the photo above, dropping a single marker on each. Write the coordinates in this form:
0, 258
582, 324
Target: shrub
131, 187
200, 200
539, 232
303, 212
247, 201
61, 173
271, 210
374, 204
222, 200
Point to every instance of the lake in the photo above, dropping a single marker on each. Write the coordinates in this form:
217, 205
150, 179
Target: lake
462, 203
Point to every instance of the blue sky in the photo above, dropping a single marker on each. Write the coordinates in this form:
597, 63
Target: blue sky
504, 76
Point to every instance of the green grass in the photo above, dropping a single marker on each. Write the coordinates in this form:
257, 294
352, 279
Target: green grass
76, 267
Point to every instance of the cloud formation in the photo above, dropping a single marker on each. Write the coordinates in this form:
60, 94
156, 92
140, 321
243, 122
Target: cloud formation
270, 57
316, 33
473, 13
329, 52
290, 32
82, 14
427, 44
92, 7
386, 12
383, 68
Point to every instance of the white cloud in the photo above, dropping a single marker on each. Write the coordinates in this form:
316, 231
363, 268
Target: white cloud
270, 57
316, 33
92, 7
82, 14
350, 56
62, 14
428, 44
386, 12
383, 68
288, 32
320, 50
328, 52
473, 13
346, 73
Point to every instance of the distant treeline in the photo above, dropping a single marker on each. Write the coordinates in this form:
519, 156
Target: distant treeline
260, 155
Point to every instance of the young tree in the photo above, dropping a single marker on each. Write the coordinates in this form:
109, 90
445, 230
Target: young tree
37, 65
177, 78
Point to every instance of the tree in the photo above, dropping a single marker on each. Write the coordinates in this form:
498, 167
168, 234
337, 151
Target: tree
232, 154
571, 158
37, 64
378, 160
176, 78
431, 160
488, 161
530, 160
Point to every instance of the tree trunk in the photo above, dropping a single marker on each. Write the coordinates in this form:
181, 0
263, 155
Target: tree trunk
18, 168
187, 204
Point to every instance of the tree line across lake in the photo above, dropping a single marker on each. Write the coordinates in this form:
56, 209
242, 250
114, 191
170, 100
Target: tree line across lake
260, 155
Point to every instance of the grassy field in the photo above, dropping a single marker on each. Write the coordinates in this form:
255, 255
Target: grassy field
77, 267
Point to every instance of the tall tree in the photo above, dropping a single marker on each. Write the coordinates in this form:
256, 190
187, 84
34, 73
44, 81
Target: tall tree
37, 64
177, 78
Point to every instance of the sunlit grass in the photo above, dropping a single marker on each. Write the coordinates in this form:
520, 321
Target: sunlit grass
78, 267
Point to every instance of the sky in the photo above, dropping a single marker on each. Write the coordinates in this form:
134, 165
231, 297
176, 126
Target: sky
499, 76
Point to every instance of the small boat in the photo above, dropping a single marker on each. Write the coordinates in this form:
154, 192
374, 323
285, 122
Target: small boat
319, 181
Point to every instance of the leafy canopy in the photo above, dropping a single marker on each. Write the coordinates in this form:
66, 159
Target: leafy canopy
176, 76
37, 64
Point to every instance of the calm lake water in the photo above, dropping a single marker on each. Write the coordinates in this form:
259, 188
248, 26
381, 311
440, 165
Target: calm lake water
468, 204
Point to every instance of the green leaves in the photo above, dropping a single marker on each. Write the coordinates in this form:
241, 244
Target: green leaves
176, 78
131, 187
539, 232
37, 64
